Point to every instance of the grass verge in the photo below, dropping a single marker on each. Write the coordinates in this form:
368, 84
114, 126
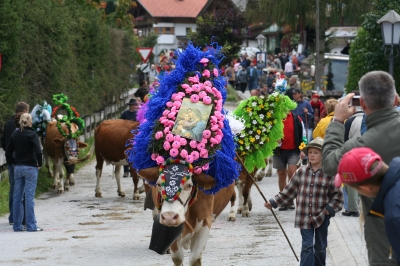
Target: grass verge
44, 181
232, 94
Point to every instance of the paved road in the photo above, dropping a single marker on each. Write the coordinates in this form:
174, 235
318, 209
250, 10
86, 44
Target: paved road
80, 229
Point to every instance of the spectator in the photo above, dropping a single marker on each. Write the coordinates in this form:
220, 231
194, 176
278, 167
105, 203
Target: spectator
286, 156
142, 91
305, 111
130, 114
371, 177
153, 74
312, 213
9, 128
318, 108
230, 74
292, 84
377, 98
25, 152
242, 78
320, 129
252, 77
289, 69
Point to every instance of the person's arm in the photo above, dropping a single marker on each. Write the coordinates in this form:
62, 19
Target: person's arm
9, 153
336, 199
37, 149
347, 126
364, 125
288, 193
3, 141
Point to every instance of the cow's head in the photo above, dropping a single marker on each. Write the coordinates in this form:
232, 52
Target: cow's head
70, 149
177, 187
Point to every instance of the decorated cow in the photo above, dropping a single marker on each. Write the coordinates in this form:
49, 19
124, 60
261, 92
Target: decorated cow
62, 143
186, 148
109, 141
262, 118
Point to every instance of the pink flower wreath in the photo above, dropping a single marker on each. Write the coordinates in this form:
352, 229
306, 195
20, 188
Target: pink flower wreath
197, 89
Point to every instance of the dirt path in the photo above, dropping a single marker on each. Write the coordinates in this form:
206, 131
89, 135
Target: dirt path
80, 229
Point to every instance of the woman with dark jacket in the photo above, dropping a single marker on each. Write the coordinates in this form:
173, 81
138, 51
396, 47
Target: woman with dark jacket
25, 153
241, 77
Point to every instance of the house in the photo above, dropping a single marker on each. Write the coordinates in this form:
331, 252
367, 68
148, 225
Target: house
171, 20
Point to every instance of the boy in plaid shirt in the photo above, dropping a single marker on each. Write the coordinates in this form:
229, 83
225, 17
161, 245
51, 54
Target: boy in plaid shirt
317, 200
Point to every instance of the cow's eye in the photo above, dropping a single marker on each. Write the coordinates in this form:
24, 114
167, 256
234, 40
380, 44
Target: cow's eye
188, 186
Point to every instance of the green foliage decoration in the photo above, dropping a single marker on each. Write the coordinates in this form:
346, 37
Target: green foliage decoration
263, 118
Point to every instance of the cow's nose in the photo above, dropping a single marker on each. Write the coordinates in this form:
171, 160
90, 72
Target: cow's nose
169, 219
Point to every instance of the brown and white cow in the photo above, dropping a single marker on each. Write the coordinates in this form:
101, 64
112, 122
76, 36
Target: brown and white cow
244, 184
196, 218
62, 151
110, 139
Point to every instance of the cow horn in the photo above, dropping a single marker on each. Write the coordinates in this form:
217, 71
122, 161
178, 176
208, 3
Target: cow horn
204, 181
150, 174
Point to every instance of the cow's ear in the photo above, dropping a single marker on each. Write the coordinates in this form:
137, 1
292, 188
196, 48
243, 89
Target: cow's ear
82, 144
58, 142
204, 181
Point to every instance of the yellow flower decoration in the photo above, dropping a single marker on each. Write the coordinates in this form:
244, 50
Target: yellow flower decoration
302, 146
248, 109
269, 114
240, 141
258, 132
252, 139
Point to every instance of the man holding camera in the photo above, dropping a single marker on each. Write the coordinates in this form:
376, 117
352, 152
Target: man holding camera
377, 99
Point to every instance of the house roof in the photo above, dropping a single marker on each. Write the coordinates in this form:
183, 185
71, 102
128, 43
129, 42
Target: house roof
174, 8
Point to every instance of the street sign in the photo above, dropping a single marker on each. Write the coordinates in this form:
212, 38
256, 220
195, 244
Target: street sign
144, 53
145, 68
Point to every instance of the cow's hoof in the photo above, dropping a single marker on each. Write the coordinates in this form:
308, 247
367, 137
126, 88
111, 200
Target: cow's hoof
72, 184
121, 194
60, 191
269, 174
67, 189
232, 216
136, 196
245, 212
98, 195
239, 211
54, 186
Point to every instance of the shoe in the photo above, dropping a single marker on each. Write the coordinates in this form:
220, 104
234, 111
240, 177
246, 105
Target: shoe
126, 174
291, 206
284, 208
38, 229
354, 214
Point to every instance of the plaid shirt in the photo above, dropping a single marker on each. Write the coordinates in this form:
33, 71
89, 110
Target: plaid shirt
314, 193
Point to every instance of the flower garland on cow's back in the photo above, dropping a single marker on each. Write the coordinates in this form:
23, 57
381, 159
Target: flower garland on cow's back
72, 116
196, 78
263, 118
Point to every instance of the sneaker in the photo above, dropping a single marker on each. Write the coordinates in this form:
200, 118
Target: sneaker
284, 208
291, 206
38, 229
126, 174
354, 214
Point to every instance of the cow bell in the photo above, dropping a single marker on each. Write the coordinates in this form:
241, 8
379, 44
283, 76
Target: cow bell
163, 236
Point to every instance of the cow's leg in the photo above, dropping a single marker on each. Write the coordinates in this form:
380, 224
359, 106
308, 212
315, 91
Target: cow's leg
118, 174
177, 252
240, 195
269, 172
232, 213
69, 180
47, 159
197, 246
247, 204
99, 170
60, 173
135, 179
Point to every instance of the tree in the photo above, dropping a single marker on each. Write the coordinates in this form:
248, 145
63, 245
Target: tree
224, 26
303, 14
367, 52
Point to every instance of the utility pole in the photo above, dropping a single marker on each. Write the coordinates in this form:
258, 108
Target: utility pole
317, 46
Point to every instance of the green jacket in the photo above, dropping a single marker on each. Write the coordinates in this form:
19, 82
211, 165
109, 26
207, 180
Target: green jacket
383, 136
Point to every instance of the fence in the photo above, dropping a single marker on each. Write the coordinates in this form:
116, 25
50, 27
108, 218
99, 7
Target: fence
91, 121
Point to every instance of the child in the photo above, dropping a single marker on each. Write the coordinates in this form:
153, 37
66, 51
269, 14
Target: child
364, 170
317, 200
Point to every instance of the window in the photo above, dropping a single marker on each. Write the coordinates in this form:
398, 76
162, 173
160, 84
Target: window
164, 30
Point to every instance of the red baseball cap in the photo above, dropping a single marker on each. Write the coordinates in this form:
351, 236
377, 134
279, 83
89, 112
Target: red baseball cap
355, 166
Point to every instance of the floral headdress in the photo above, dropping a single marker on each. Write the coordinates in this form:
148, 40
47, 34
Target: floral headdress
196, 79
41, 116
72, 116
264, 127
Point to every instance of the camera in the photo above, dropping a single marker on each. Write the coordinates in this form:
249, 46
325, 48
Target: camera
355, 101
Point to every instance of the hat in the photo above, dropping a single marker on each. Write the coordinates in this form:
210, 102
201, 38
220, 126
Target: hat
315, 143
296, 91
271, 73
315, 96
355, 166
132, 102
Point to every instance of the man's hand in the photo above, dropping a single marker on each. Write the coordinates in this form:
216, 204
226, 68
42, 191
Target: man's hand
268, 205
342, 109
305, 110
302, 155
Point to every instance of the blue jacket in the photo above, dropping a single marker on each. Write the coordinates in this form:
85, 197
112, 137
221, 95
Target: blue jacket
300, 112
387, 204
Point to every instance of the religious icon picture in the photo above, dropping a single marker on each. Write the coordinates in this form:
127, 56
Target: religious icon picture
192, 119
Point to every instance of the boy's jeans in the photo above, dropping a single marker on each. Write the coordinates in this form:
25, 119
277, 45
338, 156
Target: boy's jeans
314, 253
